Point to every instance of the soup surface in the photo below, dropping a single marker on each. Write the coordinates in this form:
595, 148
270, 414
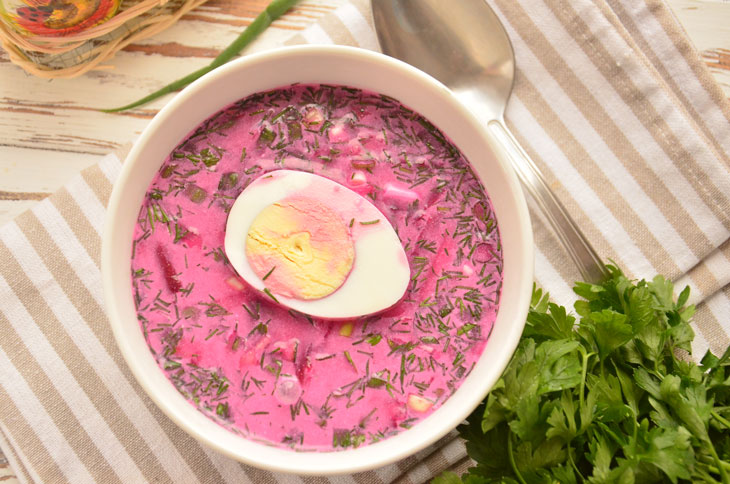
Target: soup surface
280, 376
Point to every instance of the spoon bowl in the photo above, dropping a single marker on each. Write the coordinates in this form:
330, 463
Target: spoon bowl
465, 46
478, 67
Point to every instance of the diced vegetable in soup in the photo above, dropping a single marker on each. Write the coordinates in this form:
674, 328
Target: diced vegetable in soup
288, 344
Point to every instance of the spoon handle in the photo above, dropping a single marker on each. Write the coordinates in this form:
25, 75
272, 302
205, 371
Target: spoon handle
585, 257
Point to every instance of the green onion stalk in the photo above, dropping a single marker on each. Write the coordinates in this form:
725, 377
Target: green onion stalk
273, 11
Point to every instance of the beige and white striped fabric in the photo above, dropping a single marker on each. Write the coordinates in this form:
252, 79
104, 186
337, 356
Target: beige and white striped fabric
611, 101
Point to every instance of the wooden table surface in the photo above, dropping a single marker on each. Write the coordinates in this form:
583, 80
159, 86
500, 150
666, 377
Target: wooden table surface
50, 130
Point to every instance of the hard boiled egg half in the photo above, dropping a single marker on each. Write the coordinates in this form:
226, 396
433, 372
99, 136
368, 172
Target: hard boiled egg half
315, 246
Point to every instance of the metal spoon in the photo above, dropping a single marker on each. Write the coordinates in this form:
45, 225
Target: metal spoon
464, 45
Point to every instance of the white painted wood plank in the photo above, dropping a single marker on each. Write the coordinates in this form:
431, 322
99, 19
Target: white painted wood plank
28, 175
707, 23
38, 171
9, 209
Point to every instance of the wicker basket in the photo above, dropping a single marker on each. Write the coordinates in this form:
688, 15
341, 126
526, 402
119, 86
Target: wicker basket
73, 55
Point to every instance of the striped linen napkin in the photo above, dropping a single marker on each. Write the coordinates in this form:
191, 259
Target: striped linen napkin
611, 101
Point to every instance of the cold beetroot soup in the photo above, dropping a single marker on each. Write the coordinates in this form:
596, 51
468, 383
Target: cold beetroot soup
282, 377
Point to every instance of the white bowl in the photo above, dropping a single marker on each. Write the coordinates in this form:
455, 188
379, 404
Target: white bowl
332, 65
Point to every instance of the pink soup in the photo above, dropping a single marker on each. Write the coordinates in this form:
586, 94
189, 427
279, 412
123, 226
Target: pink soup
282, 377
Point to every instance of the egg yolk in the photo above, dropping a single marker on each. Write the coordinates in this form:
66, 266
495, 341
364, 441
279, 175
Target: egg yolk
300, 248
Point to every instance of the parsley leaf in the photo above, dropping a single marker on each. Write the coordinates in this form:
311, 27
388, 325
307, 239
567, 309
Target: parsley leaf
610, 398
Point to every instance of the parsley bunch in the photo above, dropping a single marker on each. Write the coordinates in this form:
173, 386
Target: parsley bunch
611, 399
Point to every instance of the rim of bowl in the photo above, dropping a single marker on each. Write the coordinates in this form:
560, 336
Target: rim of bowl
517, 284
